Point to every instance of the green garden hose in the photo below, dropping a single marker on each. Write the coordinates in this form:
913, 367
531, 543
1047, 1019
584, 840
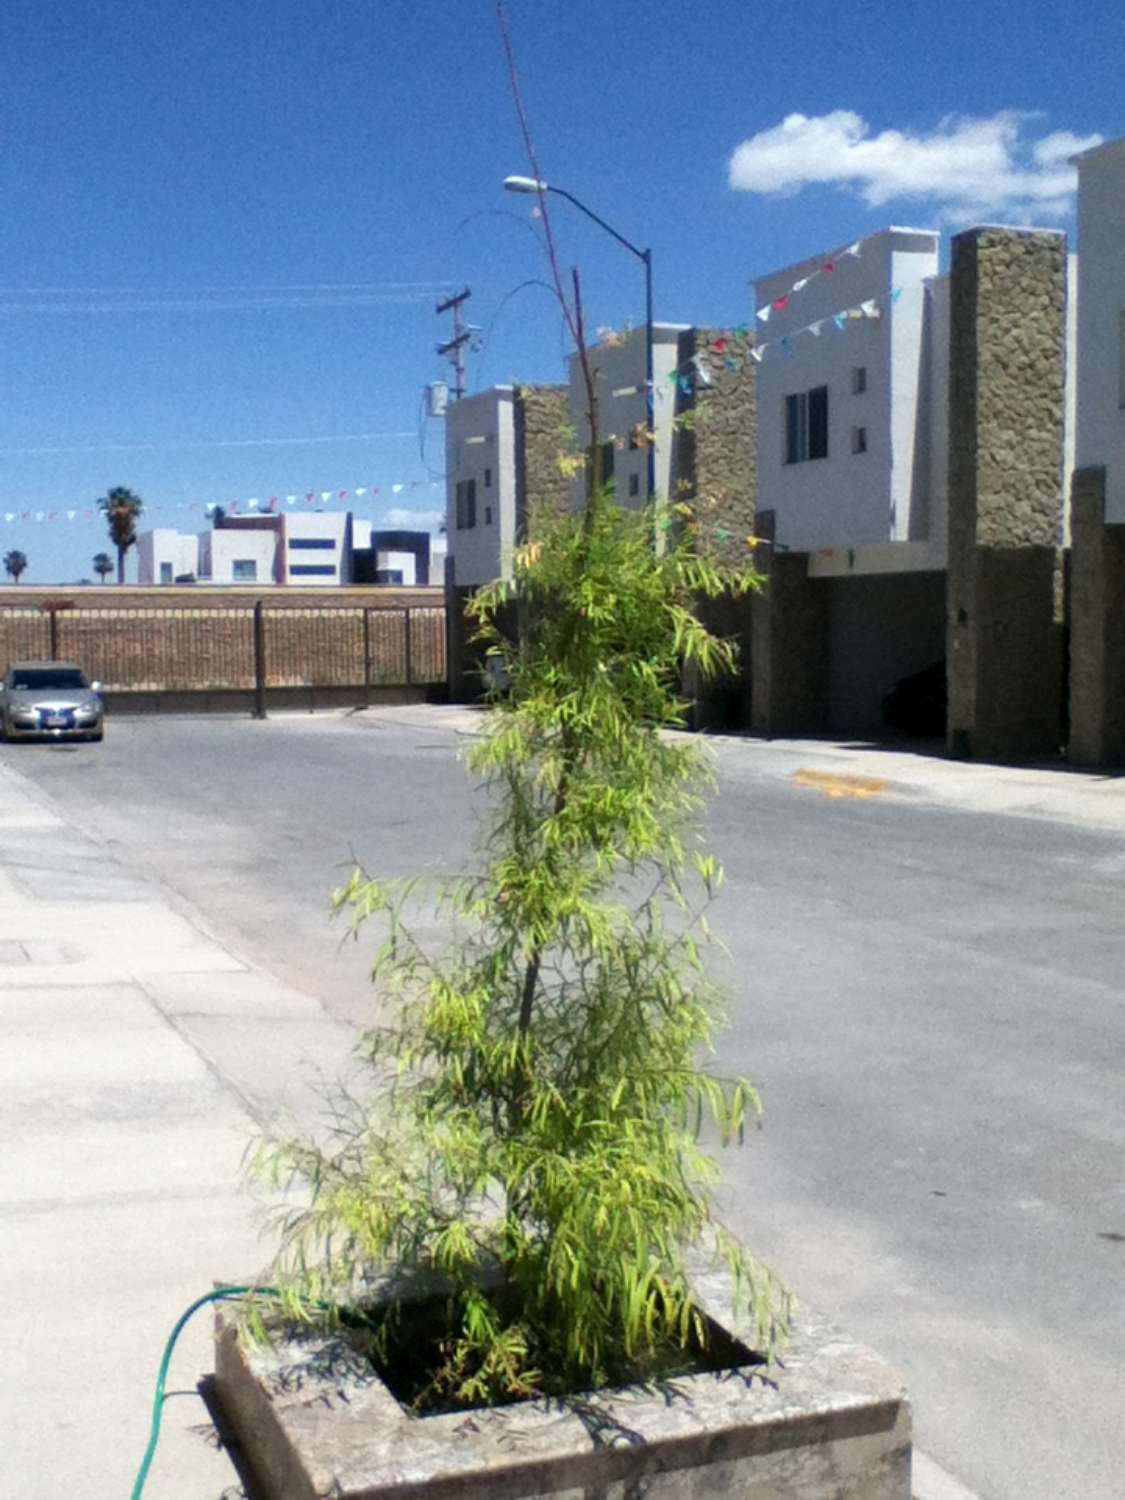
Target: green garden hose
220, 1294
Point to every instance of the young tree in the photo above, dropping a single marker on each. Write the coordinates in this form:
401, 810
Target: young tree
103, 565
122, 509
15, 564
533, 1135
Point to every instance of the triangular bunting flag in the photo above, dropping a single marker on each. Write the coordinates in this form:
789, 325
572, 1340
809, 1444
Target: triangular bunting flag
764, 314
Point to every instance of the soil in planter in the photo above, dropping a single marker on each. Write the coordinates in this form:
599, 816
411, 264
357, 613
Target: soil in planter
410, 1353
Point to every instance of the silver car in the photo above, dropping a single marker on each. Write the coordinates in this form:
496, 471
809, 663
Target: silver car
50, 700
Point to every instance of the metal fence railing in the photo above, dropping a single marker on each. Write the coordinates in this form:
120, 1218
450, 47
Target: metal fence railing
243, 647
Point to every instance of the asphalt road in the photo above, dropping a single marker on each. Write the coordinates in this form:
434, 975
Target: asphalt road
930, 1000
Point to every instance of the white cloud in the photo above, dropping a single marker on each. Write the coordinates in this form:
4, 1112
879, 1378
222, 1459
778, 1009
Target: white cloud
397, 519
968, 169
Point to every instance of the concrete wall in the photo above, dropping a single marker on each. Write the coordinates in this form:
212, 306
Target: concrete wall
846, 499
1101, 320
1006, 402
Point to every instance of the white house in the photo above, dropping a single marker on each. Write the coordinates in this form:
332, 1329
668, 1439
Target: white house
481, 485
239, 554
853, 349
163, 555
1100, 440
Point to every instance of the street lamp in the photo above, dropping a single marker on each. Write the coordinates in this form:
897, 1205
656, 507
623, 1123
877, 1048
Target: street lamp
530, 185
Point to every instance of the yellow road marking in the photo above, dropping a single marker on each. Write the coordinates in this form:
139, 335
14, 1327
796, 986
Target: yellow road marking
833, 784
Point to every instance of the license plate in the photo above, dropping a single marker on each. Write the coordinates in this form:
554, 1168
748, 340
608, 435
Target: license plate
57, 721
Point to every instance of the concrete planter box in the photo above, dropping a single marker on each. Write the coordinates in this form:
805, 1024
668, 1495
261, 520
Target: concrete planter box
832, 1423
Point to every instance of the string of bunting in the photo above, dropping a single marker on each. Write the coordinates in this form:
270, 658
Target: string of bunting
272, 505
827, 267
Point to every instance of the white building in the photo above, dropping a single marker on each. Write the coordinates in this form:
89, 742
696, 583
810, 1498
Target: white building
618, 367
481, 485
163, 555
240, 554
1100, 440
853, 405
851, 399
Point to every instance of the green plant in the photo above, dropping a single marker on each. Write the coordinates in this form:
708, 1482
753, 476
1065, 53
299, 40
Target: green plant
541, 1101
103, 565
122, 510
15, 564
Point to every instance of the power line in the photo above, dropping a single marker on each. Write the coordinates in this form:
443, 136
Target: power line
298, 286
286, 442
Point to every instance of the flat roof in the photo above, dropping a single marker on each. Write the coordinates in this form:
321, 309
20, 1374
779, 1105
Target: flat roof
1094, 153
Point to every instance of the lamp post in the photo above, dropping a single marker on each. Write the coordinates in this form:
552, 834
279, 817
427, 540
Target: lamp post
530, 185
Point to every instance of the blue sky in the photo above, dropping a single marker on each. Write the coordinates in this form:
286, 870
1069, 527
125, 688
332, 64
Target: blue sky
223, 228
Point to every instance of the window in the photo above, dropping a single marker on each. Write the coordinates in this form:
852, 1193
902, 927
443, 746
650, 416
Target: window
466, 504
488, 479
306, 570
388, 575
244, 570
859, 379
312, 543
607, 451
488, 515
165, 572
806, 425
634, 484
859, 439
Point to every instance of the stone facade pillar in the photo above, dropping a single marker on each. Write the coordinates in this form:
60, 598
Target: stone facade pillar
715, 469
540, 418
1006, 398
1097, 627
789, 644
541, 415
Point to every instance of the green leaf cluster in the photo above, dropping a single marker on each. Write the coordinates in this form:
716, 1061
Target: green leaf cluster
533, 1135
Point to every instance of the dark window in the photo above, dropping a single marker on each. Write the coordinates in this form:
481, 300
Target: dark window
859, 439
49, 678
806, 425
488, 479
466, 504
244, 569
634, 484
312, 544
306, 570
859, 379
607, 451
488, 515
388, 575
165, 572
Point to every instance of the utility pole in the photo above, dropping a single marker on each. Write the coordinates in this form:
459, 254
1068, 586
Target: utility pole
454, 350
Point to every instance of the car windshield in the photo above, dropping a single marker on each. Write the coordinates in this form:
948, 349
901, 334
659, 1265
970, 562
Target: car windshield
51, 678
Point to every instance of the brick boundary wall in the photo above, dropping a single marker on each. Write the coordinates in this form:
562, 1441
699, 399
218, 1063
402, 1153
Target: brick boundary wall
168, 641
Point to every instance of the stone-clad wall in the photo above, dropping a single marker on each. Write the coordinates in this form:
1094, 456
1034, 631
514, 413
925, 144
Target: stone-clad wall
715, 469
1006, 401
1097, 626
542, 437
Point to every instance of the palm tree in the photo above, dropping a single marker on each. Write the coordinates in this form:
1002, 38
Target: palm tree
121, 509
103, 565
15, 562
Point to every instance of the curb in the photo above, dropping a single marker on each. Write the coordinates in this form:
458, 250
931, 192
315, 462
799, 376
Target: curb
931, 1482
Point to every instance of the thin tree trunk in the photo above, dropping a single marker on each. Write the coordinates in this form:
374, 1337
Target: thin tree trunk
121, 564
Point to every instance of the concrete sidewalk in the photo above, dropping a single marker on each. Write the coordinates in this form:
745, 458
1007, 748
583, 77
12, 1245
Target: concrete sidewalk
138, 1058
1091, 799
